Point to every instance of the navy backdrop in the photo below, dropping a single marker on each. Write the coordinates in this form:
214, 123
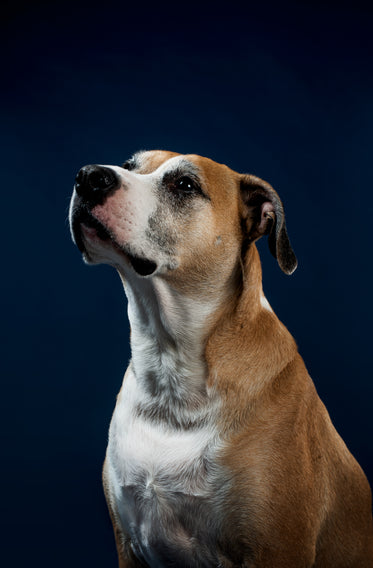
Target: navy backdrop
285, 93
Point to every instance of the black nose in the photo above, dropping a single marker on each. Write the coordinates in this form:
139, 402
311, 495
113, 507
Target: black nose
94, 182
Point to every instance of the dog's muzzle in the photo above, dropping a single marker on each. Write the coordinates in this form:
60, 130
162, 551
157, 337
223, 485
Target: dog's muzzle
94, 183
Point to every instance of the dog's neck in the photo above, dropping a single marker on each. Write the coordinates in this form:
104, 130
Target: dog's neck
168, 332
183, 349
248, 326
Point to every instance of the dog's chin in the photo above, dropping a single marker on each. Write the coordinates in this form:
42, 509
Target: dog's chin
98, 246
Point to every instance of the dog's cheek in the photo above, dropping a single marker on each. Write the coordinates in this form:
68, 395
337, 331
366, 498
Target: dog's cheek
161, 232
196, 248
172, 233
209, 255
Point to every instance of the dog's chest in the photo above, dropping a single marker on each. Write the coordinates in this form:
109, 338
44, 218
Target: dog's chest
166, 487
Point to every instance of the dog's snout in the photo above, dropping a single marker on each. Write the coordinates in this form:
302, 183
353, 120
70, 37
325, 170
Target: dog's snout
93, 181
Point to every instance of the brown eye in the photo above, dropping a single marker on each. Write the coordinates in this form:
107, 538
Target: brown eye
186, 184
182, 186
129, 164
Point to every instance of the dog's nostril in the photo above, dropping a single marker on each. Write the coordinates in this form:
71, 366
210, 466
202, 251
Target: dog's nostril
94, 180
100, 179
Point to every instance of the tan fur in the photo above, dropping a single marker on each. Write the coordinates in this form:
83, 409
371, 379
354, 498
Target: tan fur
298, 498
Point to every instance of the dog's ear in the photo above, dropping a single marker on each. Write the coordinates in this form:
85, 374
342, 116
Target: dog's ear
263, 214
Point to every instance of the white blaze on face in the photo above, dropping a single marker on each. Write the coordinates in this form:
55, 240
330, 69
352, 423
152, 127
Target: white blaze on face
125, 213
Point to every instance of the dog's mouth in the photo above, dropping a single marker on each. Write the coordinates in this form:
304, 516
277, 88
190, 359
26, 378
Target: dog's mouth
142, 266
84, 225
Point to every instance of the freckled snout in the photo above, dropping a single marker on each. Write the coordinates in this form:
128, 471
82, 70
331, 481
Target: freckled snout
93, 182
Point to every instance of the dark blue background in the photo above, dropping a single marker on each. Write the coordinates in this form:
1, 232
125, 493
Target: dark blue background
283, 91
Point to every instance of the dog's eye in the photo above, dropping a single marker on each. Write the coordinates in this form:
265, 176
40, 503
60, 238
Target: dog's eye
183, 186
129, 164
186, 184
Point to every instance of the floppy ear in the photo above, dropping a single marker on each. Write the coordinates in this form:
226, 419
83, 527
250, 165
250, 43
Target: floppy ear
264, 215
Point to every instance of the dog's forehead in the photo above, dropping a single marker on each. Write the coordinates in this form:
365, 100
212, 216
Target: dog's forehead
159, 162
147, 162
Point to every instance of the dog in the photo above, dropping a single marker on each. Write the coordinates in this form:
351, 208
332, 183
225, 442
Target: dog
220, 452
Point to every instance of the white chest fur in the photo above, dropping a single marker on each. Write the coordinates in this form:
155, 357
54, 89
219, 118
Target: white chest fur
164, 483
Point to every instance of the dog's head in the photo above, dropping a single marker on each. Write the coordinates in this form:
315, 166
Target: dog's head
182, 216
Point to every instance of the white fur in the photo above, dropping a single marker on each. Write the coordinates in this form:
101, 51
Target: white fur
136, 444
265, 304
159, 318
151, 466
152, 458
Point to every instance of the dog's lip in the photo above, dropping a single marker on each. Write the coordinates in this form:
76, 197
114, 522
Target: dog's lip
87, 227
88, 231
142, 266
